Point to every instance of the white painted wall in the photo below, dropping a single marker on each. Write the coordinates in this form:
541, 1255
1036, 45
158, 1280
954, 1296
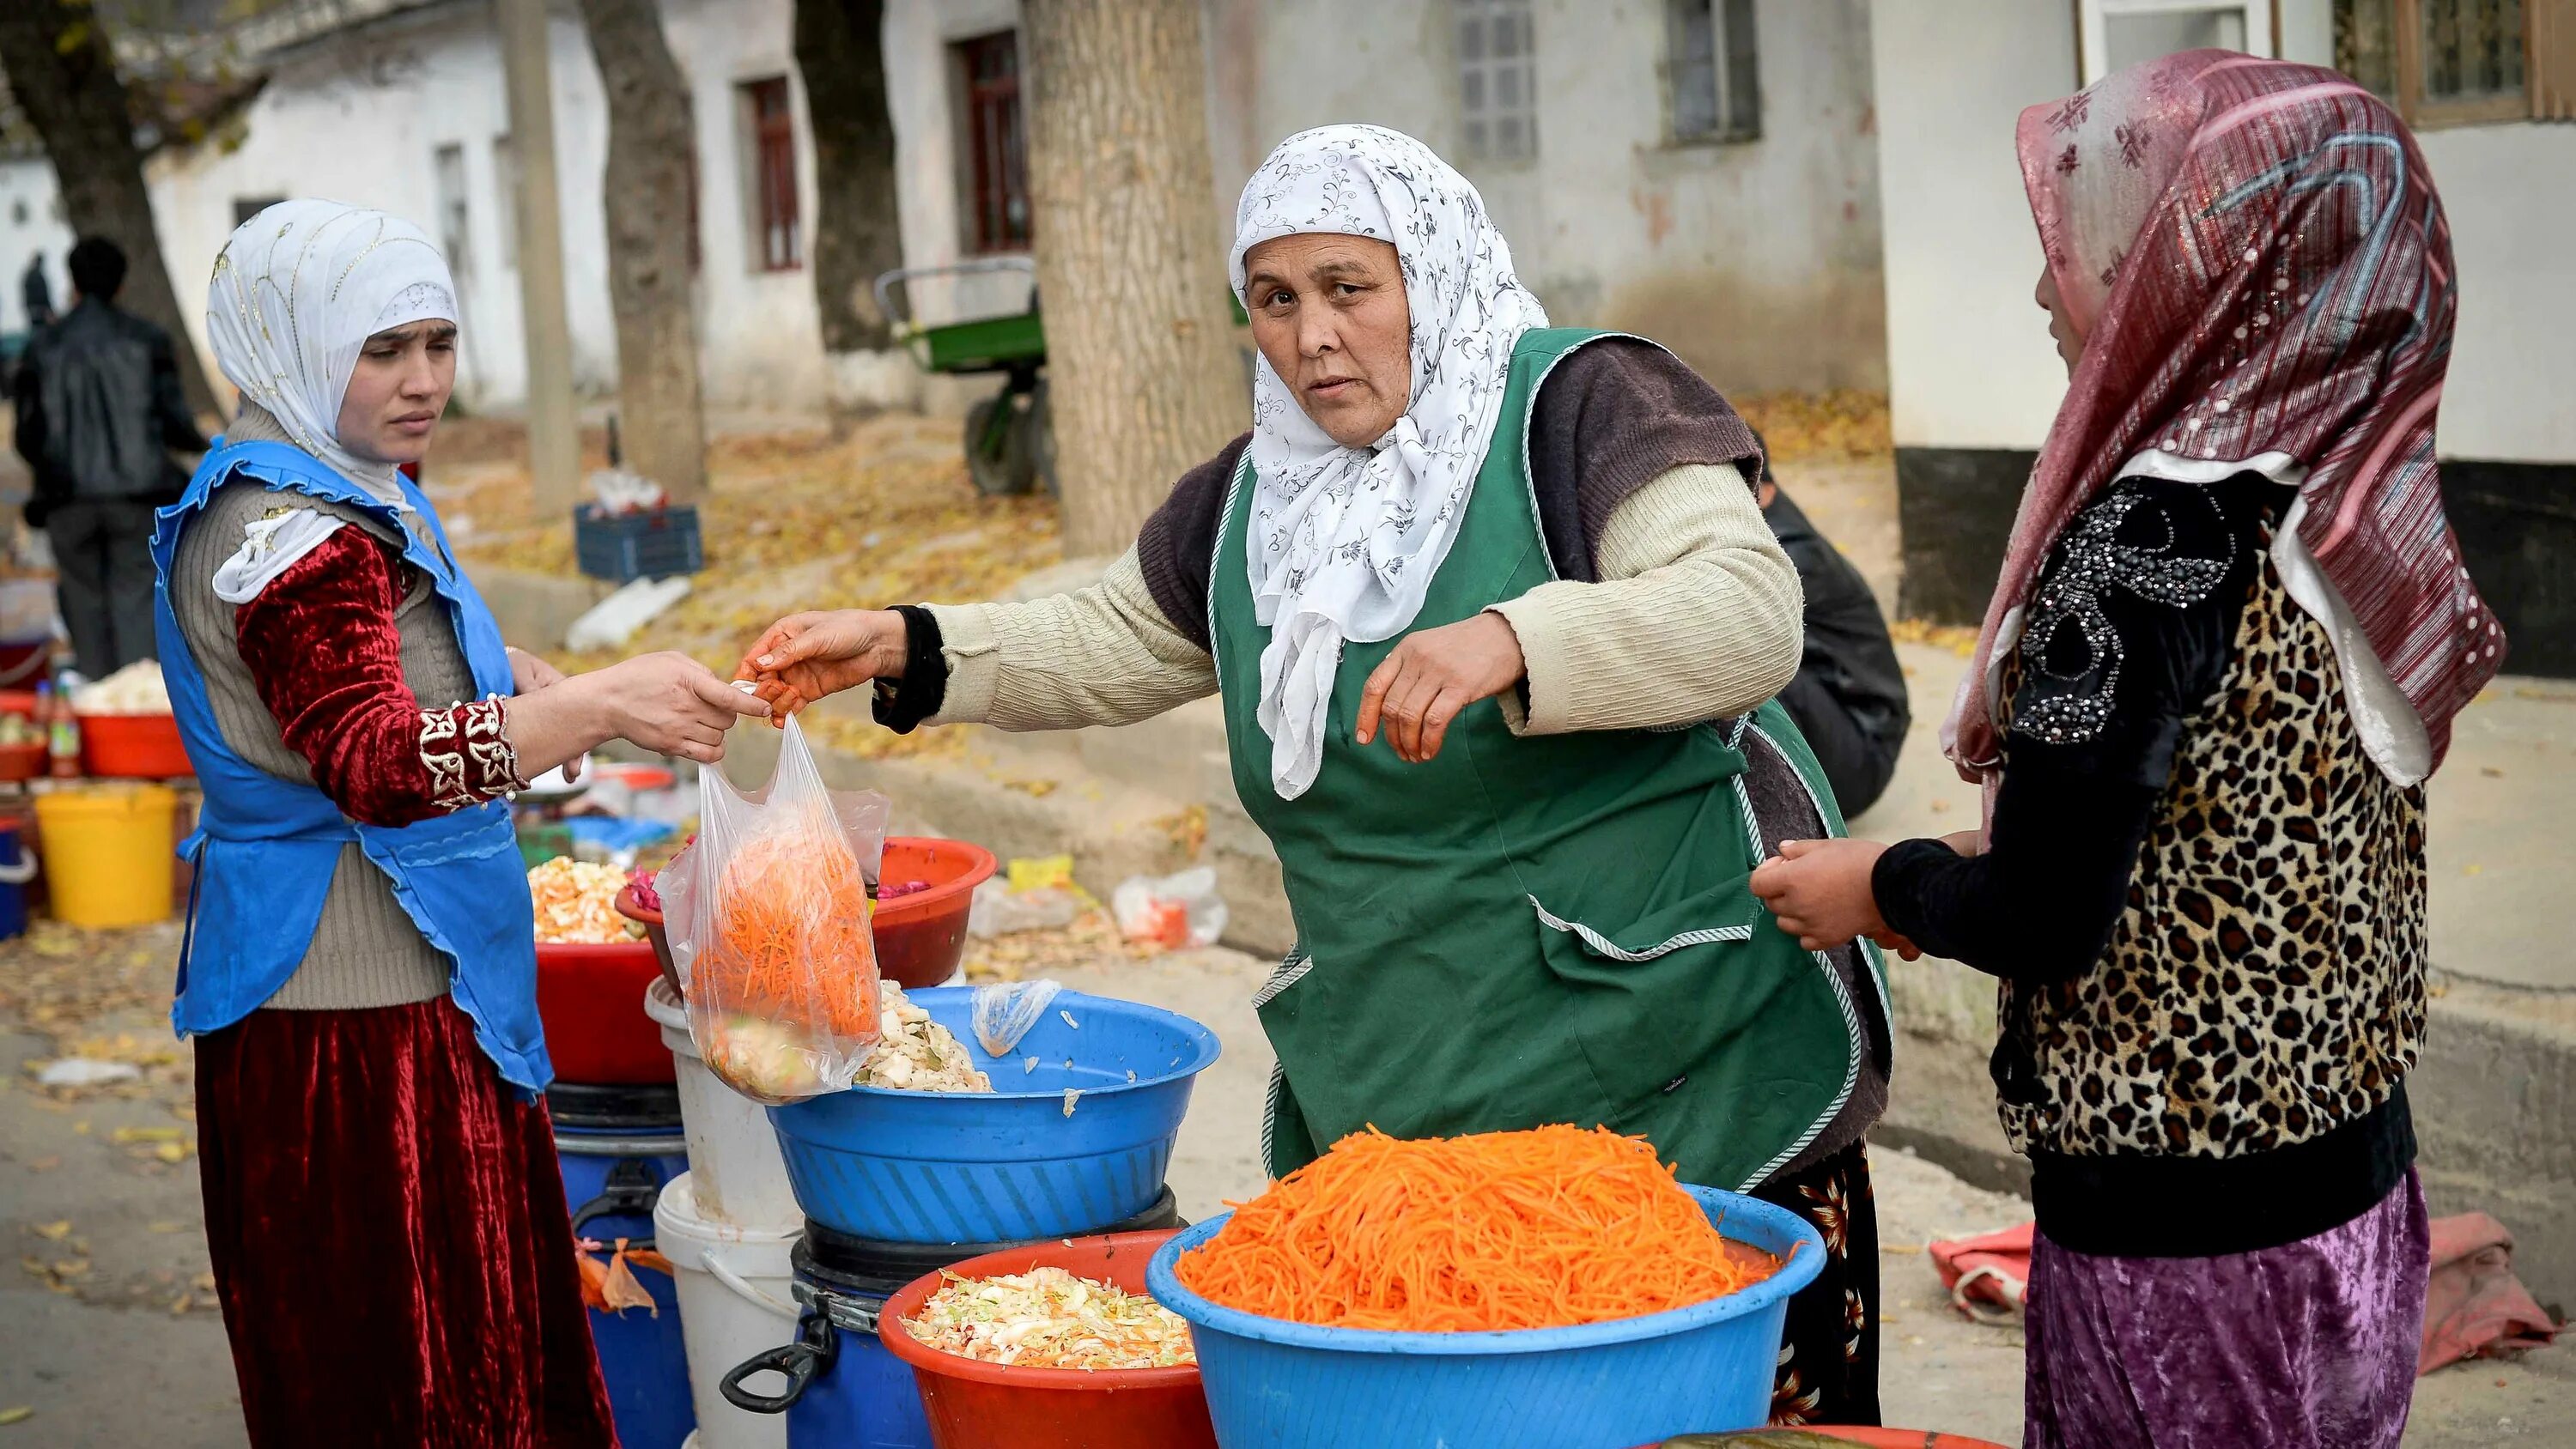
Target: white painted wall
360, 115
1758, 262
29, 224
1969, 361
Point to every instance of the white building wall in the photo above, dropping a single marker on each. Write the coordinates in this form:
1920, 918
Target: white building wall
30, 222
1969, 360
1758, 262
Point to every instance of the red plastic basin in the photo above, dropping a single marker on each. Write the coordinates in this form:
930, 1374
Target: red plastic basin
977, 1405
133, 747
591, 999
921, 937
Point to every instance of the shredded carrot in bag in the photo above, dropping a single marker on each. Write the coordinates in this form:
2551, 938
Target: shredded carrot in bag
1544, 1228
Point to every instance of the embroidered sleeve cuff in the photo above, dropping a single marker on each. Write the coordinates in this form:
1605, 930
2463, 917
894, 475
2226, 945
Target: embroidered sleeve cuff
468, 757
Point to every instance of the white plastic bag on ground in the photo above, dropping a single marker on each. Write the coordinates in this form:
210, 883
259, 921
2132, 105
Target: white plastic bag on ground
1175, 911
998, 910
1005, 1011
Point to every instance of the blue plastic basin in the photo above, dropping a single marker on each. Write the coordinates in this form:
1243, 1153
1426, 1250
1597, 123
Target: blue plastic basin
954, 1167
1273, 1384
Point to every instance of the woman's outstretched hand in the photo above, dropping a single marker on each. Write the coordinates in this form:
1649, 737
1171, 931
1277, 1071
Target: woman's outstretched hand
1430, 676
1819, 891
804, 657
668, 703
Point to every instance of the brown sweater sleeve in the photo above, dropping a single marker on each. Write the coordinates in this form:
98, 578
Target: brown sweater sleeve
1176, 549
1612, 417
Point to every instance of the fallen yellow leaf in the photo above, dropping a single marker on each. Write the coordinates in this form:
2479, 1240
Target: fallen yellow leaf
16, 1414
53, 1232
123, 1135
166, 1226
2472, 868
171, 1152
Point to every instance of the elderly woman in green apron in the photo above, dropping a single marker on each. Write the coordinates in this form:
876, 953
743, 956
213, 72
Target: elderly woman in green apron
1496, 623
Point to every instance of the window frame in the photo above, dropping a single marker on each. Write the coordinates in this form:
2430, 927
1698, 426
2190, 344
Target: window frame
1489, 112
2093, 27
990, 179
1725, 131
2406, 20
773, 202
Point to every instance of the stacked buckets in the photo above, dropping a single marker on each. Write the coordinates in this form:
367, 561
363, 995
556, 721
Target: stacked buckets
1073, 1141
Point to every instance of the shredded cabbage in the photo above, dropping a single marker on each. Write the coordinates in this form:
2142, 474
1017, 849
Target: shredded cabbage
1050, 1318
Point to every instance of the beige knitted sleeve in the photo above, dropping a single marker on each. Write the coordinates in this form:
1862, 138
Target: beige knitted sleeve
1104, 655
1697, 616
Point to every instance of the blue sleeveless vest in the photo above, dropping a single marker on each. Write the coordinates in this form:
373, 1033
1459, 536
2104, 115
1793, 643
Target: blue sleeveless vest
265, 848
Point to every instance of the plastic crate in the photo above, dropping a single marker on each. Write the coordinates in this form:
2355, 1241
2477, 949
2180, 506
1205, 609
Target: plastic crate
624, 547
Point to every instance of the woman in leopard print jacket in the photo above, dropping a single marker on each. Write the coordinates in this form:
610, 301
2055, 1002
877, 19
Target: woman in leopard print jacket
2230, 635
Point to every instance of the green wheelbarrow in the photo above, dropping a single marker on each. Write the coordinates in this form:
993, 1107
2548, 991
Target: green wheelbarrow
1010, 438
1010, 447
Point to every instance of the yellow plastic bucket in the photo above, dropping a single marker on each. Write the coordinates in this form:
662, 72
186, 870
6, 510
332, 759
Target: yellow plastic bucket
107, 853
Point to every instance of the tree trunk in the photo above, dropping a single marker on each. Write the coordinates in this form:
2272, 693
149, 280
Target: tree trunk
1145, 377
63, 73
840, 51
650, 146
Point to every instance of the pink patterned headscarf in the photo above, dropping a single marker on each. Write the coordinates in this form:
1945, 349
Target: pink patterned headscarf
2255, 256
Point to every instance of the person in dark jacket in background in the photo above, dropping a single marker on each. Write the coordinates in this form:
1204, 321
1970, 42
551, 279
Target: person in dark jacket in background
99, 415
36, 293
1849, 696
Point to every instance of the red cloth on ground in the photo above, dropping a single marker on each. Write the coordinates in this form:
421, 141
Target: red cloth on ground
2475, 1305
1987, 1276
322, 646
390, 1239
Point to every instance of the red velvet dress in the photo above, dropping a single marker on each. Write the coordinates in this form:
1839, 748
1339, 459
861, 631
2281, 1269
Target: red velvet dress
388, 1226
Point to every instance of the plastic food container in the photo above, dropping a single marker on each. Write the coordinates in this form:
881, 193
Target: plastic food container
1012, 1164
921, 937
978, 1405
591, 999
133, 747
1702, 1369
106, 852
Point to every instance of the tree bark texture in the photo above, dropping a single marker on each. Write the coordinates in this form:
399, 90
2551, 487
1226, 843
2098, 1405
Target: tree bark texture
648, 198
840, 52
1145, 375
62, 71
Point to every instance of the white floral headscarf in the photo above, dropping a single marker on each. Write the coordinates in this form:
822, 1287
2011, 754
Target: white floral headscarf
297, 292
1344, 541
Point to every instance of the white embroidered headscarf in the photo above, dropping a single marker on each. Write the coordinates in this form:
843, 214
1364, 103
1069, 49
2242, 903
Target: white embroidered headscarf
1343, 541
296, 294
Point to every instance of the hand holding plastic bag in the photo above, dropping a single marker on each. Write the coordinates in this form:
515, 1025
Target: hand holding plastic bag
782, 973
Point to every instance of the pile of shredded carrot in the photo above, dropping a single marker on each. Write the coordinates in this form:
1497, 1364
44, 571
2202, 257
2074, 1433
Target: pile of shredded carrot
1545, 1228
789, 939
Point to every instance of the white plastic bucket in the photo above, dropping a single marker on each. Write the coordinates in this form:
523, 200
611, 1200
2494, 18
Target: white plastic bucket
733, 1153
734, 1302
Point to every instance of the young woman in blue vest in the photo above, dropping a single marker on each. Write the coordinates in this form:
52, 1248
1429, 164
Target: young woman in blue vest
388, 1230
1495, 622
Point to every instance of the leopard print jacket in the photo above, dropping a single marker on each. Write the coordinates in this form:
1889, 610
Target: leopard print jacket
2266, 981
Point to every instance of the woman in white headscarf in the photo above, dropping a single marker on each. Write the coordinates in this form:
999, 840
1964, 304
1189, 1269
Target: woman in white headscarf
1530, 559
387, 1225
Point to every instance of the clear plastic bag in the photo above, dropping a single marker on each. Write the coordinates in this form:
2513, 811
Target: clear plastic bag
1174, 911
772, 904
1005, 1011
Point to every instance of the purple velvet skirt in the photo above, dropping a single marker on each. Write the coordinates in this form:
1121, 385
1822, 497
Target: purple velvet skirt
2310, 1345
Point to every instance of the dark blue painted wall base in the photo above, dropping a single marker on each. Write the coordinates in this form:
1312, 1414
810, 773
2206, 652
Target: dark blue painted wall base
2516, 521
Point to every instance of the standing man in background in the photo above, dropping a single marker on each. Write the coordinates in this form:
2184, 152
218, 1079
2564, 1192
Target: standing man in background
99, 414
37, 293
1849, 696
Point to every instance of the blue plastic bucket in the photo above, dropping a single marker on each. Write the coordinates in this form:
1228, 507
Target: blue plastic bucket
1273, 1384
612, 1177
17, 868
1014, 1164
842, 1390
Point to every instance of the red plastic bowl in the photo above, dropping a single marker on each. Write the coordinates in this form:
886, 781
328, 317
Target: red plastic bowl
921, 937
591, 999
978, 1405
133, 747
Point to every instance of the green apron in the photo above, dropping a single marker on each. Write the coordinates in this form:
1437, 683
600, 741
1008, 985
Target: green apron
1528, 930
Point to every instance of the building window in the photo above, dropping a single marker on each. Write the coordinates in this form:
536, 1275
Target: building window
447, 171
1497, 79
246, 207
2461, 62
1716, 72
769, 122
996, 170
2116, 34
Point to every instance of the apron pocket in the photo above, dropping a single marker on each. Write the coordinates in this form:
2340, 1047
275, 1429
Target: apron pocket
1646, 1001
